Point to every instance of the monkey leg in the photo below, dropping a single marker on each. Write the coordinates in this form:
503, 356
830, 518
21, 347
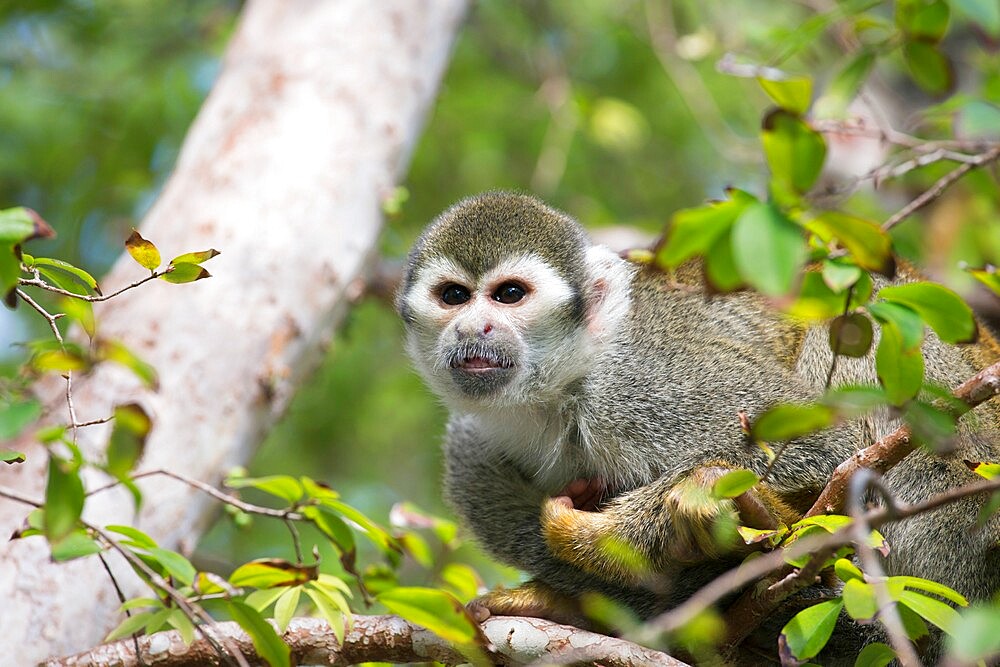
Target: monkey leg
659, 528
533, 598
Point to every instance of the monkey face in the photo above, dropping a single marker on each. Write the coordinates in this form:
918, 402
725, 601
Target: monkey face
486, 338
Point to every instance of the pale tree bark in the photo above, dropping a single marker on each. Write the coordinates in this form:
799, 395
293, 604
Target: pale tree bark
308, 128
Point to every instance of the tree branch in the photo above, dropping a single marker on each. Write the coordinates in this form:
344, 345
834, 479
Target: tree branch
516, 641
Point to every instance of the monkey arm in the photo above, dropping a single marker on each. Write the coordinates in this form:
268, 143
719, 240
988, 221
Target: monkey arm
659, 528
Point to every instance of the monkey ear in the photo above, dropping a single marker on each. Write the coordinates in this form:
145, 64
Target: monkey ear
608, 290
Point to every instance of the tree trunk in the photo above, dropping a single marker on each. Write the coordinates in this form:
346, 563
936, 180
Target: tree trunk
308, 128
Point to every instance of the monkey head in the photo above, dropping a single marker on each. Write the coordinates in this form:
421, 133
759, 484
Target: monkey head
504, 299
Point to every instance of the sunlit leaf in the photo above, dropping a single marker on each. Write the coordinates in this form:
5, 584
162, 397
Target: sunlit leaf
263, 598
438, 611
847, 570
184, 273
176, 565
461, 580
944, 311
50, 269
859, 599
988, 277
831, 523
271, 572
283, 486
930, 609
142, 251
82, 312
266, 641
932, 587
987, 470
285, 606
195, 257
755, 536
185, 628
868, 244
788, 421
769, 249
10, 457
63, 361
734, 483
131, 625
839, 275
810, 629
792, 93
335, 615
136, 538
331, 525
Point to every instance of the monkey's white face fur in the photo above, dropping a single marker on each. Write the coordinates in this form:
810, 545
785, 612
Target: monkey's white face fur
507, 337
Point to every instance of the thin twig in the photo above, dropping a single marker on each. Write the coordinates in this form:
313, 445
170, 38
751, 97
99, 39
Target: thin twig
122, 599
38, 282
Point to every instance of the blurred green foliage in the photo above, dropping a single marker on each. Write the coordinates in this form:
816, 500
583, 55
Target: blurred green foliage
613, 111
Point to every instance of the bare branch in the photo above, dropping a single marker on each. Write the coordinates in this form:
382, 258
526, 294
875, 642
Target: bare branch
383, 639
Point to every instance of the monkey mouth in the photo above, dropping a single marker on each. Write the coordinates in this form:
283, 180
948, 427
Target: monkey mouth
479, 364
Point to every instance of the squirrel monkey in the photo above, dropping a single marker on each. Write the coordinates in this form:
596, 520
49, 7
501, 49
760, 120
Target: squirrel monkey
595, 402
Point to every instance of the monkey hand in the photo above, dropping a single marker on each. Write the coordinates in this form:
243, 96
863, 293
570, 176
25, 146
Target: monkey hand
584, 494
531, 599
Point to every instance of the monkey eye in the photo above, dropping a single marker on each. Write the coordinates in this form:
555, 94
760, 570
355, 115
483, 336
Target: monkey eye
509, 293
454, 295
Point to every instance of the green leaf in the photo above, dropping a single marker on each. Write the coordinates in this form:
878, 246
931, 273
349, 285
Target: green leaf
10, 457
845, 85
128, 438
907, 322
870, 247
768, 249
988, 277
932, 587
331, 525
875, 655
859, 600
75, 545
438, 611
851, 402
375, 533
184, 272
795, 152
131, 625
944, 311
851, 335
912, 623
986, 13
734, 483
815, 300
720, 266
16, 416
64, 498
142, 251
185, 628
901, 372
10, 272
986, 470
839, 275
21, 224
934, 611
282, 486
975, 635
930, 426
62, 361
263, 598
810, 629
328, 607
831, 523
922, 19
81, 312
112, 350
137, 538
693, 230
265, 640
928, 67
461, 580
50, 268
272, 572
847, 570
195, 257
176, 565
787, 421
284, 608
792, 93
